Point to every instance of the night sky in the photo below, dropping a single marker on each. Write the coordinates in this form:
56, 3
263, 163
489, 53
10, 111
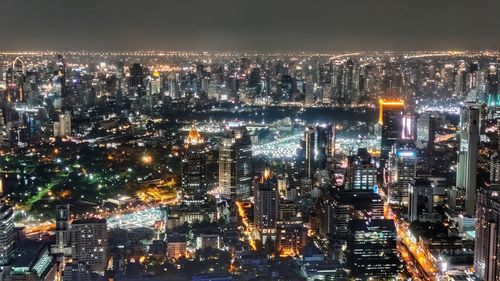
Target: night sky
262, 25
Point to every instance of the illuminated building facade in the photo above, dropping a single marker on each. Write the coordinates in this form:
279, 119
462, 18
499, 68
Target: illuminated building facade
62, 230
89, 242
362, 172
6, 232
402, 169
235, 164
194, 166
390, 114
426, 130
291, 237
266, 207
371, 249
486, 248
467, 155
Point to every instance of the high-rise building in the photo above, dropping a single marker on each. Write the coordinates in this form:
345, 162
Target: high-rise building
235, 164
402, 169
426, 130
291, 237
77, 271
62, 230
390, 113
371, 249
194, 171
467, 155
308, 152
420, 198
266, 206
486, 247
89, 242
361, 172
6, 232
62, 128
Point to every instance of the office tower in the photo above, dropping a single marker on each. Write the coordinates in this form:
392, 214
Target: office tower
390, 113
460, 80
361, 171
6, 232
346, 205
420, 198
323, 144
492, 90
371, 249
308, 151
62, 128
89, 242
235, 164
402, 169
292, 237
467, 155
495, 168
486, 246
61, 75
266, 204
77, 271
286, 88
283, 184
426, 130
194, 168
15, 78
155, 83
62, 230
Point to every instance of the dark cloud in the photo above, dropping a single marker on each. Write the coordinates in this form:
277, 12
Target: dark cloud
265, 25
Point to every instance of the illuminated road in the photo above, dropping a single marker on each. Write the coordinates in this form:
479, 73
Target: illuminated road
248, 231
418, 260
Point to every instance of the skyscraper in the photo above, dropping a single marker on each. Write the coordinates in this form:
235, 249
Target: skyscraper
62, 230
89, 242
62, 128
361, 173
6, 232
420, 198
371, 249
402, 169
390, 113
426, 130
308, 152
486, 247
235, 164
266, 204
467, 155
194, 168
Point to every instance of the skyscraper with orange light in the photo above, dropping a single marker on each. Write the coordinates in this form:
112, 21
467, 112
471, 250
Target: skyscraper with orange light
194, 168
390, 114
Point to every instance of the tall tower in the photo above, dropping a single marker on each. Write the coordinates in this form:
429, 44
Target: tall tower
402, 169
194, 168
486, 247
390, 114
235, 164
467, 155
308, 150
6, 232
266, 206
62, 229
